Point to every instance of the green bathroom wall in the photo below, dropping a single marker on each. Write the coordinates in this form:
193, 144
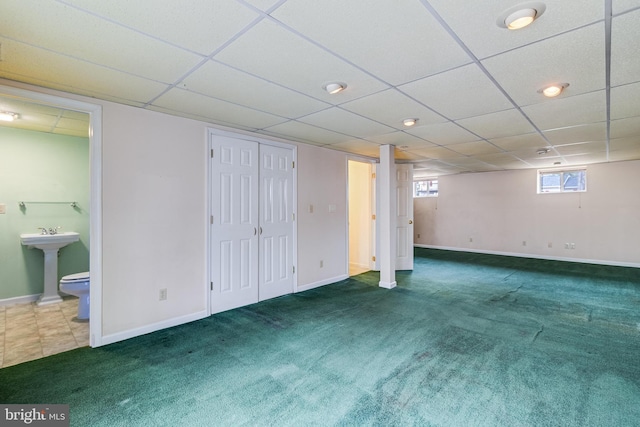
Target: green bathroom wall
41, 167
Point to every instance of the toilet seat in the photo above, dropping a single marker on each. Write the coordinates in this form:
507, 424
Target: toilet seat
77, 277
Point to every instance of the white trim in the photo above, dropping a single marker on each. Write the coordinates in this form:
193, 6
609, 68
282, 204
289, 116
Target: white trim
323, 282
534, 256
95, 213
387, 285
147, 329
19, 300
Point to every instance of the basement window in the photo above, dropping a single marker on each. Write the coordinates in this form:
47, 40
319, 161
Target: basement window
425, 188
562, 181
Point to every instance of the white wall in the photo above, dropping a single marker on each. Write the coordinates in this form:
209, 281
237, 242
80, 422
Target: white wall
322, 235
501, 210
154, 217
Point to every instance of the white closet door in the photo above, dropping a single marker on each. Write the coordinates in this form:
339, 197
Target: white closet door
234, 224
276, 221
404, 225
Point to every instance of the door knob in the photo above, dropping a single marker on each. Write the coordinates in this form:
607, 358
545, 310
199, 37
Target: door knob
410, 221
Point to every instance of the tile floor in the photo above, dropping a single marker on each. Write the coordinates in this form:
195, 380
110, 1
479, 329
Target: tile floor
29, 332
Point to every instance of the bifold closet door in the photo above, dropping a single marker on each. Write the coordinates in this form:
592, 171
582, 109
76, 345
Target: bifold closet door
276, 221
234, 224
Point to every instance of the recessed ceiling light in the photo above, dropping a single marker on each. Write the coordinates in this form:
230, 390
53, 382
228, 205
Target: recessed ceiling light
553, 90
7, 116
520, 15
409, 122
334, 87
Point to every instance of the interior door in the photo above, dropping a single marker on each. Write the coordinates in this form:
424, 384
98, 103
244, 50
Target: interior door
276, 221
404, 224
234, 223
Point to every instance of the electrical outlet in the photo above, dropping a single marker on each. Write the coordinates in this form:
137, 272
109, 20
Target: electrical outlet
321, 263
573, 246
524, 243
549, 245
163, 294
566, 246
418, 235
470, 239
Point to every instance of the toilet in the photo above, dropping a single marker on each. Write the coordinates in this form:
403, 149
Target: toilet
78, 285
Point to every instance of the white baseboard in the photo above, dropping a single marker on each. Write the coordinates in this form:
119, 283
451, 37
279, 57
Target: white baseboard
321, 283
534, 256
19, 300
169, 323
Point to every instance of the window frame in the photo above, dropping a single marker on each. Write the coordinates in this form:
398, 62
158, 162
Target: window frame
429, 186
562, 172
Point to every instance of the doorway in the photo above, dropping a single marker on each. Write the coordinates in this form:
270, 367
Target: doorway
94, 114
361, 216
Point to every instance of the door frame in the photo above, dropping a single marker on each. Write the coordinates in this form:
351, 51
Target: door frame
373, 265
95, 197
210, 133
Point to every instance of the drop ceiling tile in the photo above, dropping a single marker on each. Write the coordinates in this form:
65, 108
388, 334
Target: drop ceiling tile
561, 59
304, 132
275, 54
346, 122
498, 125
24, 63
580, 133
626, 144
407, 155
625, 128
67, 124
532, 141
83, 35
621, 6
358, 146
503, 161
402, 140
222, 82
210, 23
582, 149
585, 159
436, 153
625, 155
179, 100
459, 93
474, 148
624, 101
571, 111
391, 107
397, 41
625, 61
443, 133
263, 5
475, 22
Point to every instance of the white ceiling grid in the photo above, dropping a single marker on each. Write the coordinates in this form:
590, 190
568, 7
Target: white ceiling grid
260, 65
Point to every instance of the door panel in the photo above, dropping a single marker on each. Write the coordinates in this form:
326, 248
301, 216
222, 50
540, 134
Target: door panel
276, 221
404, 225
234, 225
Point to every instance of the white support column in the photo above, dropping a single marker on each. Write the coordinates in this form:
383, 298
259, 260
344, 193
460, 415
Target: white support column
387, 217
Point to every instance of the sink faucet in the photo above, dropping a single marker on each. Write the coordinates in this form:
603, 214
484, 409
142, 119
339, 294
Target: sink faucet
44, 230
54, 230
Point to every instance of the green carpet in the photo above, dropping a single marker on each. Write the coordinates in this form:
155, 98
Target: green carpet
464, 340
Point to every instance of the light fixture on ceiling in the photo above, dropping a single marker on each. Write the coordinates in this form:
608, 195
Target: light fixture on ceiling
542, 151
334, 87
553, 90
7, 116
409, 122
521, 15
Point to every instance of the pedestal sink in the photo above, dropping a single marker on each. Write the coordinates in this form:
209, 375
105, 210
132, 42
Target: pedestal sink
49, 244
